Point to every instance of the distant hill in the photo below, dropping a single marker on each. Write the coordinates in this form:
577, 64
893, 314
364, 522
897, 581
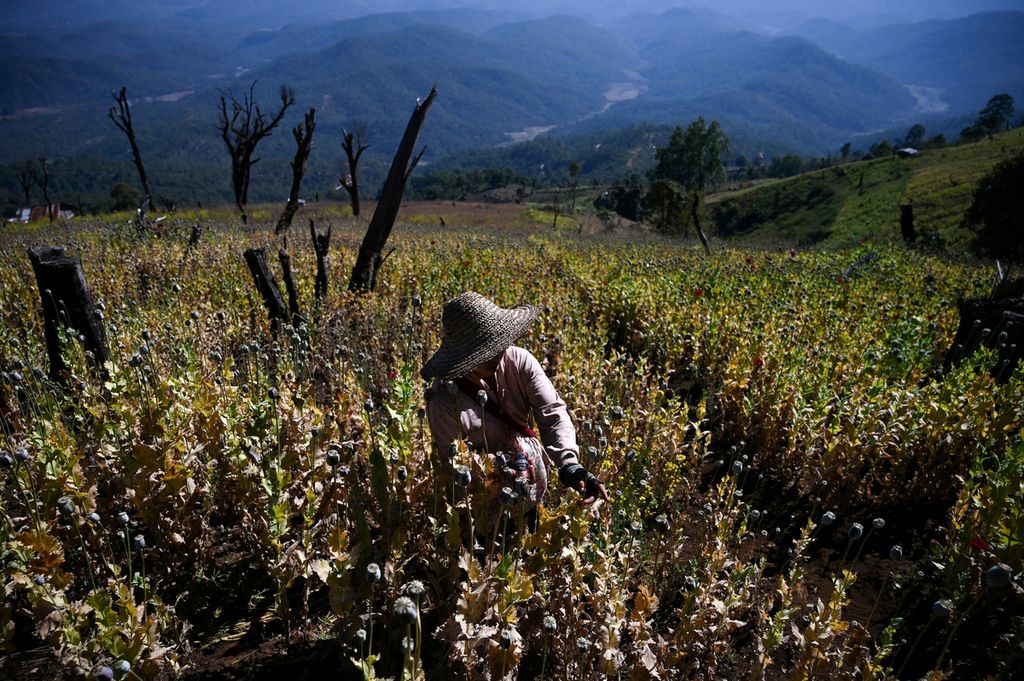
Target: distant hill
842, 205
967, 60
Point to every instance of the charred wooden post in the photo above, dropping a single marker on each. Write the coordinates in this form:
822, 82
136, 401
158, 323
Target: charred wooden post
321, 244
353, 146
303, 145
995, 322
121, 115
907, 223
369, 259
67, 302
256, 259
289, 285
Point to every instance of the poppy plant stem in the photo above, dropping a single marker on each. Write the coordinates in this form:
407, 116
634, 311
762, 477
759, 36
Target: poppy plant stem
913, 646
954, 628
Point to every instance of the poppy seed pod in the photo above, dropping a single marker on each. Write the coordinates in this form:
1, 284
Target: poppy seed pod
21, 454
104, 673
689, 583
827, 518
332, 457
755, 515
408, 646
616, 413
481, 397
373, 573
635, 527
505, 640
66, 506
942, 608
415, 589
582, 645
139, 542
453, 449
404, 610
360, 636
856, 530
462, 476
6, 460
549, 624
998, 576
122, 666
452, 388
122, 519
896, 552
521, 487
737, 467
402, 473
878, 523
661, 524
507, 497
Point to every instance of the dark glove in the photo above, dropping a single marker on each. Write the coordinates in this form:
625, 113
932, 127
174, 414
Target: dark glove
572, 474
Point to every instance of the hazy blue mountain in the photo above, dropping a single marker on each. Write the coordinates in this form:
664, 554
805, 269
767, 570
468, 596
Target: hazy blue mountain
967, 59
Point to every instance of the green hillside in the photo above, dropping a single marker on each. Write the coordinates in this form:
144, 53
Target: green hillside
843, 205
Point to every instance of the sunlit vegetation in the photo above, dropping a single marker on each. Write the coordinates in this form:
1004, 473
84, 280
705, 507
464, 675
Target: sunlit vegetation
797, 490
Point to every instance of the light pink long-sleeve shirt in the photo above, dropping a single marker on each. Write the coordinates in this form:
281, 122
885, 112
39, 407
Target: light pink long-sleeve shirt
524, 392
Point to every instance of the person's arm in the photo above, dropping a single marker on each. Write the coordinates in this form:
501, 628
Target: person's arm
444, 417
557, 433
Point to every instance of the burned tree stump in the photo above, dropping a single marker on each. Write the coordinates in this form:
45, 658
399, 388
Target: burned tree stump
67, 302
369, 258
321, 244
256, 259
907, 230
994, 322
289, 285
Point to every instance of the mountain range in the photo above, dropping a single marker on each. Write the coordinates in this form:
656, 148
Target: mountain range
503, 76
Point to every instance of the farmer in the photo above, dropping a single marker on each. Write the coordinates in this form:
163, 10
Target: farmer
487, 392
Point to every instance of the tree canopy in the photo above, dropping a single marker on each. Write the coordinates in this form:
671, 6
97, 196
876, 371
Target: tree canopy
693, 157
997, 212
997, 113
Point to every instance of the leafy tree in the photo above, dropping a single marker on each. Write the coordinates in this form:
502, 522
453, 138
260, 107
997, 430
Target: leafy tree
880, 149
785, 166
693, 160
973, 133
624, 198
996, 214
844, 150
126, 197
914, 136
665, 205
997, 113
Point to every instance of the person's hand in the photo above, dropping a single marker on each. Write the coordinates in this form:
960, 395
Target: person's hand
584, 482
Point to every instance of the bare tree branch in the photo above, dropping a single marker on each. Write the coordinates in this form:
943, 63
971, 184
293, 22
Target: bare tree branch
242, 130
354, 147
121, 115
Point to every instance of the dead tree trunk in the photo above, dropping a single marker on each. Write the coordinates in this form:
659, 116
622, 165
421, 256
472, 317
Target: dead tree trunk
352, 144
907, 223
303, 145
369, 259
44, 184
26, 178
256, 259
121, 115
67, 302
289, 285
194, 237
242, 130
695, 214
321, 244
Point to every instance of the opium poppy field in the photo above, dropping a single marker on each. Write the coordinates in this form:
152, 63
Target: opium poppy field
798, 491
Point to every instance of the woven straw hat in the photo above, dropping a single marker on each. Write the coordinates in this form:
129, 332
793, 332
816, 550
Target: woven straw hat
475, 330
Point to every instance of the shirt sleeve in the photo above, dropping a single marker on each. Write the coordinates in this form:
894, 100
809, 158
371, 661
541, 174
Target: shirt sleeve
443, 418
557, 433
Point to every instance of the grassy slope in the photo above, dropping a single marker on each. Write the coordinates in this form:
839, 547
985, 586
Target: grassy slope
844, 205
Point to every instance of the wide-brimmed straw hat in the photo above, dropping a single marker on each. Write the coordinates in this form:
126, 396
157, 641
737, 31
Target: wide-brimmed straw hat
475, 330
